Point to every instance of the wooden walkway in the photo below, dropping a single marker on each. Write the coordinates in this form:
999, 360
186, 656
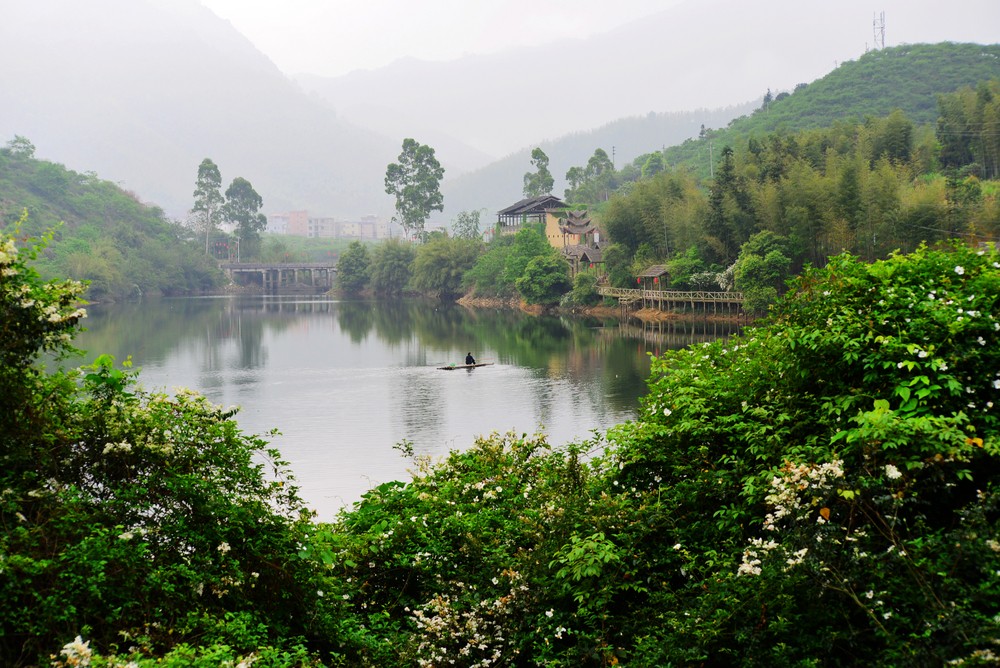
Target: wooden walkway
676, 300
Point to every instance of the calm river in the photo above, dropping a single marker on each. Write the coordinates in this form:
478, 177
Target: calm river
344, 381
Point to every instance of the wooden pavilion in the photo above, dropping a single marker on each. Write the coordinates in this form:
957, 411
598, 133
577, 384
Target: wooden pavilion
543, 210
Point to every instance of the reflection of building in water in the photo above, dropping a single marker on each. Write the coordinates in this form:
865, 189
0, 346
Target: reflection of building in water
301, 224
679, 333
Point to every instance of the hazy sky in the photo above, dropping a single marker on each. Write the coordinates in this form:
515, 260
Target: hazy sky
334, 37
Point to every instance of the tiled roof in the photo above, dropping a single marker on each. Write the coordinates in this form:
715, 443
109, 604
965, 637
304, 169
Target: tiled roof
584, 253
654, 271
533, 205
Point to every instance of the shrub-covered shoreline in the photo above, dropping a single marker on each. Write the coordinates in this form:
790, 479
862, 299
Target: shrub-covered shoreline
819, 491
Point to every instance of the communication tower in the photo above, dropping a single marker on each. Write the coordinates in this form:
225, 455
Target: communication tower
878, 25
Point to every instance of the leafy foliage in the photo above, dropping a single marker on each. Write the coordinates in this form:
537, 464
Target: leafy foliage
584, 292
545, 280
133, 517
353, 268
415, 183
761, 270
540, 182
822, 470
593, 182
440, 265
505, 261
391, 267
208, 199
466, 225
103, 235
243, 209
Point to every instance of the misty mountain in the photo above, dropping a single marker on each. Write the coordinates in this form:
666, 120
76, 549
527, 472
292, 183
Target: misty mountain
702, 54
500, 183
140, 91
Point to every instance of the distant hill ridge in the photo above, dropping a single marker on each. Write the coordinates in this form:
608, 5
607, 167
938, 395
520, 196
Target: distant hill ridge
908, 78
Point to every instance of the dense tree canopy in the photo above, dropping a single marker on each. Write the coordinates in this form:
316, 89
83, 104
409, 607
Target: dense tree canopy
102, 234
440, 265
545, 280
391, 267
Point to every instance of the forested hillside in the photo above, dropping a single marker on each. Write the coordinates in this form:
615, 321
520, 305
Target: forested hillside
854, 181
103, 234
907, 78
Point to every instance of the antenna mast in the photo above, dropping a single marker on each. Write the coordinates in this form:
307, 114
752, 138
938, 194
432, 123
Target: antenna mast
878, 25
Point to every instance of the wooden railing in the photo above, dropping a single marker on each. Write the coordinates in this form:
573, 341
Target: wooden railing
677, 296
258, 266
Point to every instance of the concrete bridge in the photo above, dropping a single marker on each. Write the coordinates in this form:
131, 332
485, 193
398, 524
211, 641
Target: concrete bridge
289, 277
674, 300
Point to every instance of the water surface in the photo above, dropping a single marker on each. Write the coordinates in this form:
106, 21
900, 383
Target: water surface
345, 381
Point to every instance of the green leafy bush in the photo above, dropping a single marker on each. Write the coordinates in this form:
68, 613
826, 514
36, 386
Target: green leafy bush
136, 520
834, 471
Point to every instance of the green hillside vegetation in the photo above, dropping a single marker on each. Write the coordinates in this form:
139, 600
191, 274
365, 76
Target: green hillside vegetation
869, 187
774, 204
906, 78
103, 234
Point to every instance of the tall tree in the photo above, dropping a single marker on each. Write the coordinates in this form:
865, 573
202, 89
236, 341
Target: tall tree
208, 199
575, 177
243, 208
539, 182
415, 183
730, 219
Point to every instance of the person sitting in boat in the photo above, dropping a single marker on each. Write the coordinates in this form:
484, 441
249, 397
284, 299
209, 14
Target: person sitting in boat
469, 359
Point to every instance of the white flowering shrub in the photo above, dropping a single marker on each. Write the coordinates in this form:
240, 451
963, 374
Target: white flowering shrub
132, 521
835, 470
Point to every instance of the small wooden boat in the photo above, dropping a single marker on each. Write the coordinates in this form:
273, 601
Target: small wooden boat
452, 367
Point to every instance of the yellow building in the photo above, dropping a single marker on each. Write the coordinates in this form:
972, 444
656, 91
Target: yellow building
573, 233
544, 210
